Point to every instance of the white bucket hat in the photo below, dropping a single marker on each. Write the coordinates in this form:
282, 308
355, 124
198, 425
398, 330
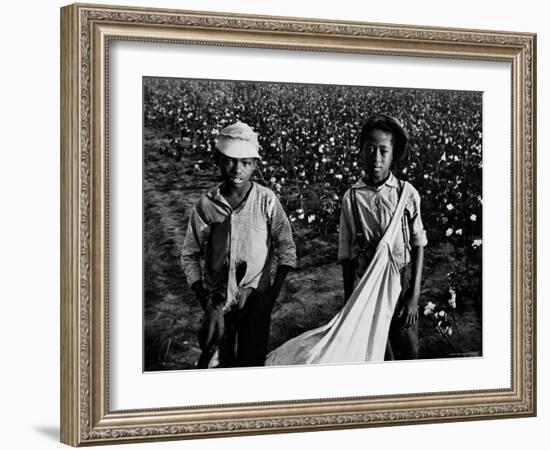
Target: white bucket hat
238, 140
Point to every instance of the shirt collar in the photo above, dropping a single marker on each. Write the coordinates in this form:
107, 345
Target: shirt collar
390, 182
217, 197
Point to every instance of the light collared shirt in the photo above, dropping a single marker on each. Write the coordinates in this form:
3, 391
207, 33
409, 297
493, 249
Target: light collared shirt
375, 207
237, 245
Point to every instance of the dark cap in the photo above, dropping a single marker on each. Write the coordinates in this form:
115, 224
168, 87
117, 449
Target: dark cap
390, 124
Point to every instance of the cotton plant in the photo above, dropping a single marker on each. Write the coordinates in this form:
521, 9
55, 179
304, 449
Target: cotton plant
443, 318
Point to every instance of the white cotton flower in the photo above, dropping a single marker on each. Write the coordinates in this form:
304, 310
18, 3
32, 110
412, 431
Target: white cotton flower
459, 232
273, 180
452, 300
449, 232
476, 243
310, 218
429, 308
441, 313
473, 217
450, 207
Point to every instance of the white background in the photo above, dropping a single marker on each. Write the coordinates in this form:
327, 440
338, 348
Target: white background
132, 389
29, 177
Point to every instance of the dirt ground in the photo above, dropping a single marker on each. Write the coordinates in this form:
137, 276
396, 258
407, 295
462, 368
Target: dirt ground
311, 296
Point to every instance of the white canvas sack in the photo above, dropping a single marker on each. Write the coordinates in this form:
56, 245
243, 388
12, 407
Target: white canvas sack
360, 330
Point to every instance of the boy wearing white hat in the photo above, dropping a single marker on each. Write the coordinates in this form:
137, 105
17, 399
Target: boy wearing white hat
237, 229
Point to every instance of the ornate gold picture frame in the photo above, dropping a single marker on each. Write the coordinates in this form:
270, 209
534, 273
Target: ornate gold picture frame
87, 416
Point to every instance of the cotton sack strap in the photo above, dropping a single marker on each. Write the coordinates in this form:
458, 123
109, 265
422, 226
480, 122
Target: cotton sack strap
359, 233
398, 215
404, 223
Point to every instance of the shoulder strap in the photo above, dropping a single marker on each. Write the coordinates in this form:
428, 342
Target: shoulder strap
359, 235
404, 222
395, 225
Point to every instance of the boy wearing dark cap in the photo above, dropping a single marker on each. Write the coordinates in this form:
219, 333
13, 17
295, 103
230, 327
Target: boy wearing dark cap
367, 209
236, 230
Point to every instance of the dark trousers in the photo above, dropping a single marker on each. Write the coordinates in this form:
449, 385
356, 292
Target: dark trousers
244, 342
402, 342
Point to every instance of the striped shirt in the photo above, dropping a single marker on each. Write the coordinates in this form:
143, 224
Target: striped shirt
237, 245
375, 205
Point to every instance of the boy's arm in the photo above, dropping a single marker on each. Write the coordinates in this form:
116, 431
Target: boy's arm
280, 277
345, 238
193, 244
409, 309
348, 271
285, 248
281, 236
202, 294
418, 240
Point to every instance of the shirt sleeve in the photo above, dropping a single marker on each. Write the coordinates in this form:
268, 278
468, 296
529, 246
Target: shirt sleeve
281, 234
345, 235
416, 227
193, 247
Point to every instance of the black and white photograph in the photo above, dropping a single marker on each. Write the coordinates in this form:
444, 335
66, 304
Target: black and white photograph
276, 224
291, 223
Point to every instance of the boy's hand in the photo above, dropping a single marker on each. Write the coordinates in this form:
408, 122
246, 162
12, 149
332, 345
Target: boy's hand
242, 296
213, 326
203, 296
270, 297
409, 311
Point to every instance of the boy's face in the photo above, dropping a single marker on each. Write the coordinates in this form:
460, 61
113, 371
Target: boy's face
377, 153
236, 171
